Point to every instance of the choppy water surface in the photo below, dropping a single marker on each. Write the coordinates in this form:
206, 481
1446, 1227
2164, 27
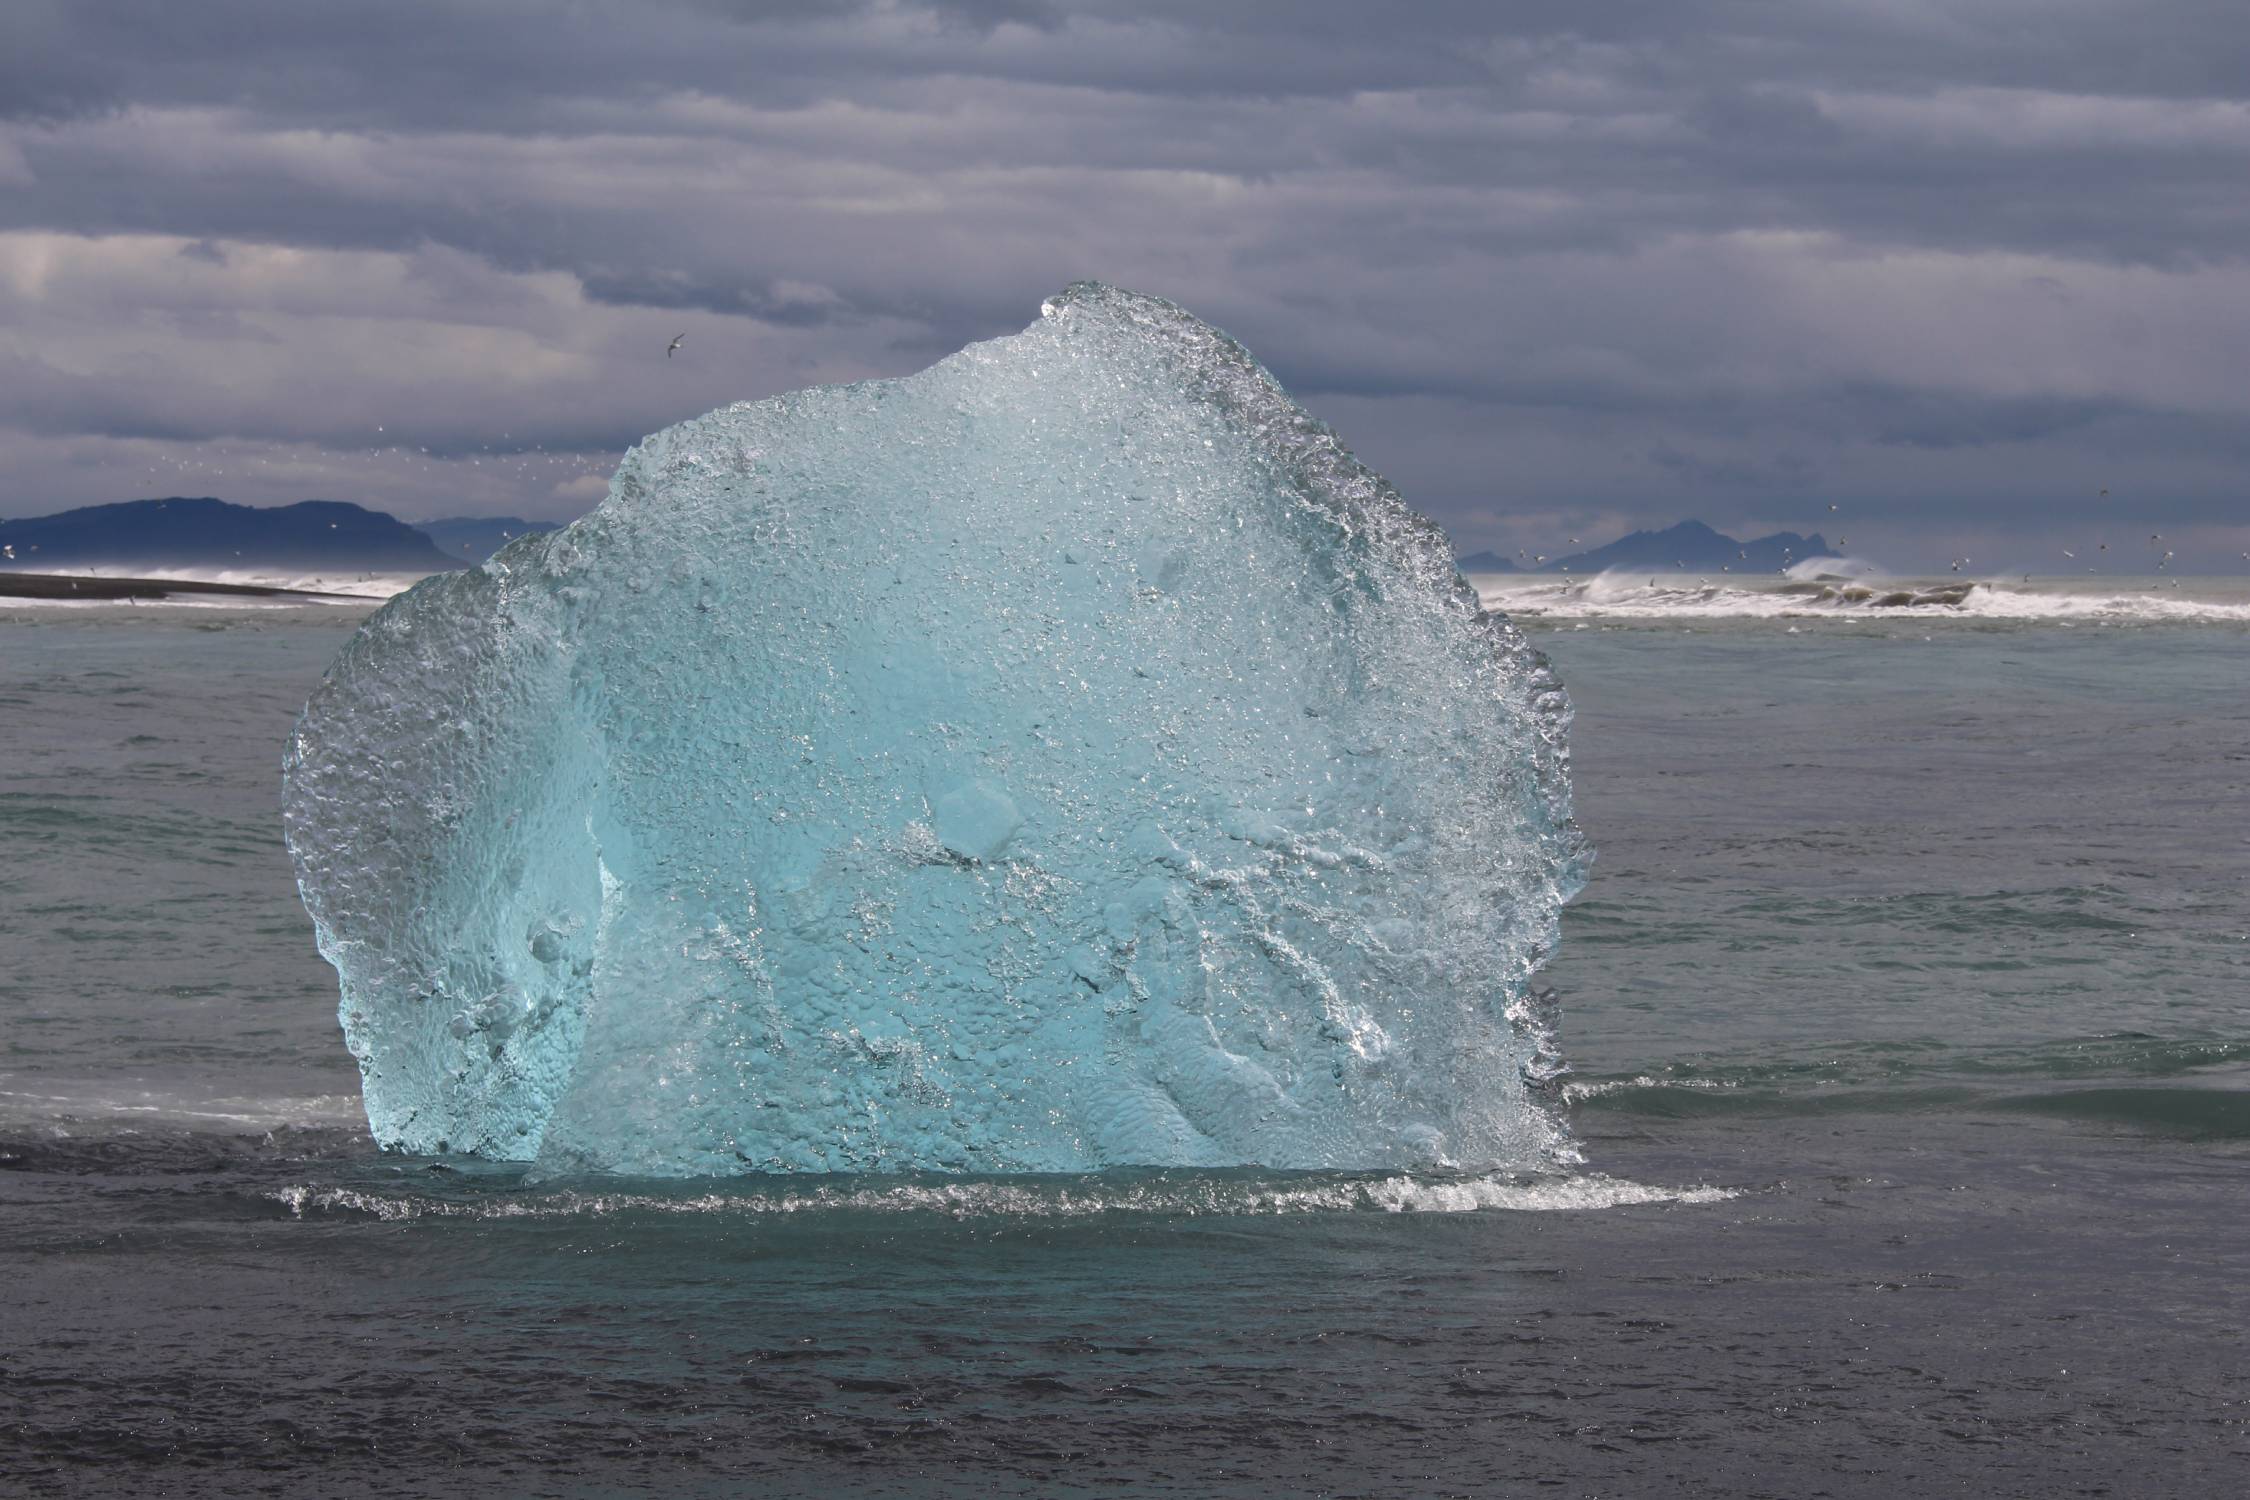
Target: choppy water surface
1906, 1003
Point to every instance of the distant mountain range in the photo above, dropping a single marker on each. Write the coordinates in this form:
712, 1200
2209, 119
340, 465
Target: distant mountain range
313, 535
205, 533
1690, 547
1487, 562
335, 536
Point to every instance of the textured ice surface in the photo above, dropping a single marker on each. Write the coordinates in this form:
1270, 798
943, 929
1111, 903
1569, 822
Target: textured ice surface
1067, 756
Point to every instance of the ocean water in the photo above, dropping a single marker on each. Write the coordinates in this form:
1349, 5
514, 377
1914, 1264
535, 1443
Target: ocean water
1907, 1007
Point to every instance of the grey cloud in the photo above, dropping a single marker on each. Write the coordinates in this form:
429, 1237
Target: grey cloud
1921, 419
1671, 249
644, 287
1780, 471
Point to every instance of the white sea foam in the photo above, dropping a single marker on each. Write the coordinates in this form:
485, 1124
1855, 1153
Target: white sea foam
1848, 590
1037, 1199
343, 588
1575, 1090
74, 1107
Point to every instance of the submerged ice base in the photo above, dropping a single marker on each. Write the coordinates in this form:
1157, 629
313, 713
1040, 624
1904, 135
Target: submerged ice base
1065, 757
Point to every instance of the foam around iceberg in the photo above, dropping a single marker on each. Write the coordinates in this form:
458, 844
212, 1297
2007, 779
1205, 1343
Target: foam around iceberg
1064, 757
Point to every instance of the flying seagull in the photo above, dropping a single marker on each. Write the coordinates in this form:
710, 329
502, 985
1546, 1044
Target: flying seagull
674, 347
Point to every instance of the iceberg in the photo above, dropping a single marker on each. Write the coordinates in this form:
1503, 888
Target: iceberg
1065, 757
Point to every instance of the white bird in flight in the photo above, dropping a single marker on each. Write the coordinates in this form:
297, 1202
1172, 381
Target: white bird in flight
674, 347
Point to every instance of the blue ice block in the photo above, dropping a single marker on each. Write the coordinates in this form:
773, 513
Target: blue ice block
1067, 756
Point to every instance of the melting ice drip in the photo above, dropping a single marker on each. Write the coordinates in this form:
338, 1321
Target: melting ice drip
1065, 757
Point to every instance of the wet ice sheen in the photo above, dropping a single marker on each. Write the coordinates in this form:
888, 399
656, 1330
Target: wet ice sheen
1065, 757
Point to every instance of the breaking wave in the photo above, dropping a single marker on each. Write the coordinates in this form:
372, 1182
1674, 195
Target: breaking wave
1843, 589
299, 589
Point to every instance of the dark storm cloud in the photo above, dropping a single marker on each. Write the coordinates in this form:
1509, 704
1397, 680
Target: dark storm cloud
1681, 253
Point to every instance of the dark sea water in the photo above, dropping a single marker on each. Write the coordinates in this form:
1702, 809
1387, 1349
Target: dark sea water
1910, 1011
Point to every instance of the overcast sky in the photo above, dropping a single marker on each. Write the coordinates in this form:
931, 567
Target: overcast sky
1557, 268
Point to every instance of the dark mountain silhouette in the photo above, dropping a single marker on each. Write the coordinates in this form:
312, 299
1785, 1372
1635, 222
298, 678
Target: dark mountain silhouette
1694, 547
472, 539
1486, 561
329, 535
